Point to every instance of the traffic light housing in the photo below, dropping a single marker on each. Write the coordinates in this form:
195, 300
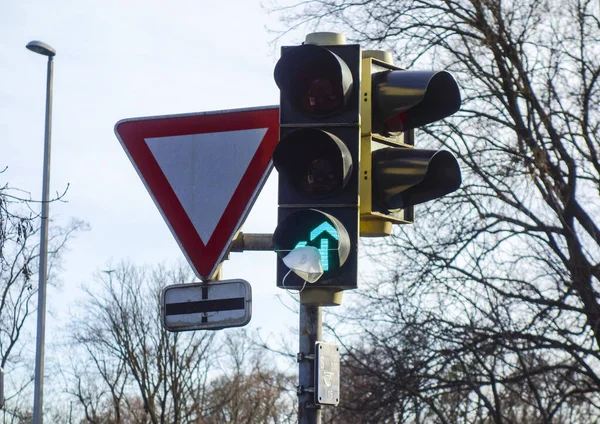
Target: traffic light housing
394, 175
317, 158
337, 107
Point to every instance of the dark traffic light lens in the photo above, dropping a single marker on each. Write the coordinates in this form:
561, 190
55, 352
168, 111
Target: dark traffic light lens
407, 177
320, 177
315, 162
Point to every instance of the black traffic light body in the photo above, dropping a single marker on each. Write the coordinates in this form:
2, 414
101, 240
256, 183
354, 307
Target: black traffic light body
394, 175
318, 159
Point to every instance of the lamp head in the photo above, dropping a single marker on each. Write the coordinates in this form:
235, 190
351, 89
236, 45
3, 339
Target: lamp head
41, 48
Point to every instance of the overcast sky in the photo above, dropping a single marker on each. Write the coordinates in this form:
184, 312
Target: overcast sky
123, 59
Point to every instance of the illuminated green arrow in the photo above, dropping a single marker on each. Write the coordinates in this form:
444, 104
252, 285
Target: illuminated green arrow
325, 226
324, 243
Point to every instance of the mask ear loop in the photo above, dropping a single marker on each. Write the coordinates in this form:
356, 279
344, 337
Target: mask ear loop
283, 283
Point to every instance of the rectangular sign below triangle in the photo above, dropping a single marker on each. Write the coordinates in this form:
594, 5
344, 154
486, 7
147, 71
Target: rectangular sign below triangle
204, 172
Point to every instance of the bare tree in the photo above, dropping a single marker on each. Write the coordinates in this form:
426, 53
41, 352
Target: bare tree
249, 389
487, 309
129, 369
19, 260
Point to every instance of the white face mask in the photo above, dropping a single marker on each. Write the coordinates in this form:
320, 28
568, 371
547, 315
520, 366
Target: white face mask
305, 261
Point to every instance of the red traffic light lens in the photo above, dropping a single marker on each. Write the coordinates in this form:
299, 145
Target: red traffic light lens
314, 80
318, 95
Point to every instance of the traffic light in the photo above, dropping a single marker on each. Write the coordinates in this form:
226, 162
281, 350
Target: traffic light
394, 175
317, 158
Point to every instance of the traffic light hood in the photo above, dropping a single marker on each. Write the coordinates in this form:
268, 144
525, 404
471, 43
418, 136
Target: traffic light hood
403, 100
407, 177
314, 80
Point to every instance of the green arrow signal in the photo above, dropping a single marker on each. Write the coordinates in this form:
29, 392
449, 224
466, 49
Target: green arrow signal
324, 242
325, 226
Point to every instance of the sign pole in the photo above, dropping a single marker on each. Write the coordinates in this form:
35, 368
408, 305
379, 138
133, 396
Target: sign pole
311, 328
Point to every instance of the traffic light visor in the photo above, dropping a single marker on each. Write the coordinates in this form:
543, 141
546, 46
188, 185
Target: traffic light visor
407, 177
403, 100
310, 227
314, 80
316, 163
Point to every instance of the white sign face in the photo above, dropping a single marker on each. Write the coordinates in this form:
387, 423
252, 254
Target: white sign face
206, 306
204, 189
327, 374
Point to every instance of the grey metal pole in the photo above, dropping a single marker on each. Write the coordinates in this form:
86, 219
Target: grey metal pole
41, 312
249, 241
311, 328
1, 388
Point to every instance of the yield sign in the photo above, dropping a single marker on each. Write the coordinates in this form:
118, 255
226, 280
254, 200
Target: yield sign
204, 171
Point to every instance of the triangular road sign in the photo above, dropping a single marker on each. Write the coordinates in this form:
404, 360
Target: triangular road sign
204, 171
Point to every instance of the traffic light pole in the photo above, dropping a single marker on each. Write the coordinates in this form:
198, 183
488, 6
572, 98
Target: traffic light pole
310, 331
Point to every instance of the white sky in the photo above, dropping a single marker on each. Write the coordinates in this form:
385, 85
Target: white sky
119, 59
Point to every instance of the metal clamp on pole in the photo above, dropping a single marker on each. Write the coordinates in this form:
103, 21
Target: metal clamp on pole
300, 390
301, 356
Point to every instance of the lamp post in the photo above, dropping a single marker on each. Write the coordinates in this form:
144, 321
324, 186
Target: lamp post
46, 50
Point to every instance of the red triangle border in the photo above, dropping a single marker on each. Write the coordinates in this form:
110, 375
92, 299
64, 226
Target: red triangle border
204, 258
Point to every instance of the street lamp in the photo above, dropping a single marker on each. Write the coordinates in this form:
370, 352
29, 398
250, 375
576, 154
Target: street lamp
46, 50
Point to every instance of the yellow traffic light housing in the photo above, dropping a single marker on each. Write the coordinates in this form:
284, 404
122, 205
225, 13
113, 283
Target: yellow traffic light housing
394, 176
